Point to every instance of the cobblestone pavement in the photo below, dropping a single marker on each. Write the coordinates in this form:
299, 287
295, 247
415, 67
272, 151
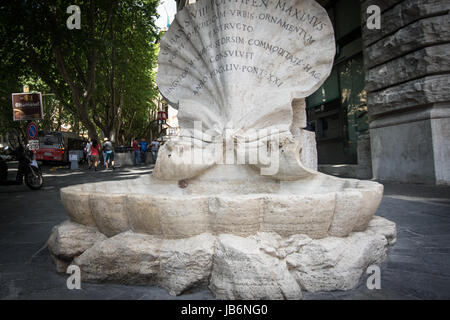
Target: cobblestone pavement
418, 266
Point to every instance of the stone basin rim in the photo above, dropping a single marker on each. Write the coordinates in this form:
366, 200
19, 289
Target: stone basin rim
178, 215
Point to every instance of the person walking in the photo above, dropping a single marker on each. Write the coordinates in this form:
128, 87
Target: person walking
154, 147
95, 151
88, 151
104, 153
108, 150
136, 152
143, 145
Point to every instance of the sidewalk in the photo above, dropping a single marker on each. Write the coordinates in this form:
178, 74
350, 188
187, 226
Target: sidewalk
418, 266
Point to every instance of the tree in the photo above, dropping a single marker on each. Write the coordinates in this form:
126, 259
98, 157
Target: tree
102, 56
126, 85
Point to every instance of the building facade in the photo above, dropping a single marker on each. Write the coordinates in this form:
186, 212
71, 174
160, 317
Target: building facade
384, 112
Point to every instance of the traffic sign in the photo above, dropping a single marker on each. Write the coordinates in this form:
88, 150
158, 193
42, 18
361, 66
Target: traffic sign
33, 144
32, 131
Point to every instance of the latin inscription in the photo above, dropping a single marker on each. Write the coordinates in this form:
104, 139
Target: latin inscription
241, 47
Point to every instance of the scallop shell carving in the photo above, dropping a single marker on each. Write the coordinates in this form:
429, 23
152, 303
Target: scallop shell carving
239, 63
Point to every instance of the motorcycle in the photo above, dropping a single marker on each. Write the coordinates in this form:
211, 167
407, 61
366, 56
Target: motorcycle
28, 168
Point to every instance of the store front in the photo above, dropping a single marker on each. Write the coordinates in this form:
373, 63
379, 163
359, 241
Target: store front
337, 111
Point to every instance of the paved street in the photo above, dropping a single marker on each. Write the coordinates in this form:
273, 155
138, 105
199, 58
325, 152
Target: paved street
418, 266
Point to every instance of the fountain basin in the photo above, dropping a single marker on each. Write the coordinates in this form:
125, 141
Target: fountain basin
318, 206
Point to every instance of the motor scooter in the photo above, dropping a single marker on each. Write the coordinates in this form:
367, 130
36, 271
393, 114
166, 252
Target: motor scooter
28, 168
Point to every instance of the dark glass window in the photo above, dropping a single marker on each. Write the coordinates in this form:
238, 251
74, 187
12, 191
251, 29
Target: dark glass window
338, 109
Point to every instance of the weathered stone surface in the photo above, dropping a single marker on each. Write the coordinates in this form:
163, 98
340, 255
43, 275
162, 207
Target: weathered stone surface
77, 206
427, 61
227, 215
371, 201
420, 92
132, 258
401, 15
125, 258
440, 128
239, 68
68, 240
242, 271
346, 213
144, 217
280, 247
184, 218
336, 263
291, 215
425, 32
186, 264
215, 205
299, 116
109, 213
384, 227
262, 266
420, 150
308, 153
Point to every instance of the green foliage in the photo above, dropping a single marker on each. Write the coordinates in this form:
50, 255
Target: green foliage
101, 75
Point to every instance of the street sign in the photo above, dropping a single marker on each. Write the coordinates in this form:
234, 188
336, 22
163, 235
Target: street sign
27, 106
32, 131
33, 144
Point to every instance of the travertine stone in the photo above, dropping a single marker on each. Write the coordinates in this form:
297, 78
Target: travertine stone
371, 199
242, 271
291, 215
262, 266
206, 72
144, 217
227, 215
336, 263
425, 32
306, 207
68, 240
128, 257
181, 219
109, 213
240, 268
345, 213
132, 258
414, 93
299, 120
384, 227
427, 61
308, 152
186, 264
77, 206
400, 15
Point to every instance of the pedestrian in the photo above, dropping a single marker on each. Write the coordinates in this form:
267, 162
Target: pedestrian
88, 151
95, 151
143, 145
104, 153
154, 147
136, 152
108, 150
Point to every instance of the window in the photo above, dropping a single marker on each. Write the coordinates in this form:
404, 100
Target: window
52, 141
338, 109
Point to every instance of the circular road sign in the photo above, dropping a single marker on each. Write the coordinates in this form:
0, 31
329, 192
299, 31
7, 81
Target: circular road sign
32, 131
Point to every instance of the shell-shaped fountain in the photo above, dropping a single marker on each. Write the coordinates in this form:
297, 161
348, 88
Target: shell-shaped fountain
234, 201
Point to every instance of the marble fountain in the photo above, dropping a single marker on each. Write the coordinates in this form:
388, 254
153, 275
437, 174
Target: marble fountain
235, 202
